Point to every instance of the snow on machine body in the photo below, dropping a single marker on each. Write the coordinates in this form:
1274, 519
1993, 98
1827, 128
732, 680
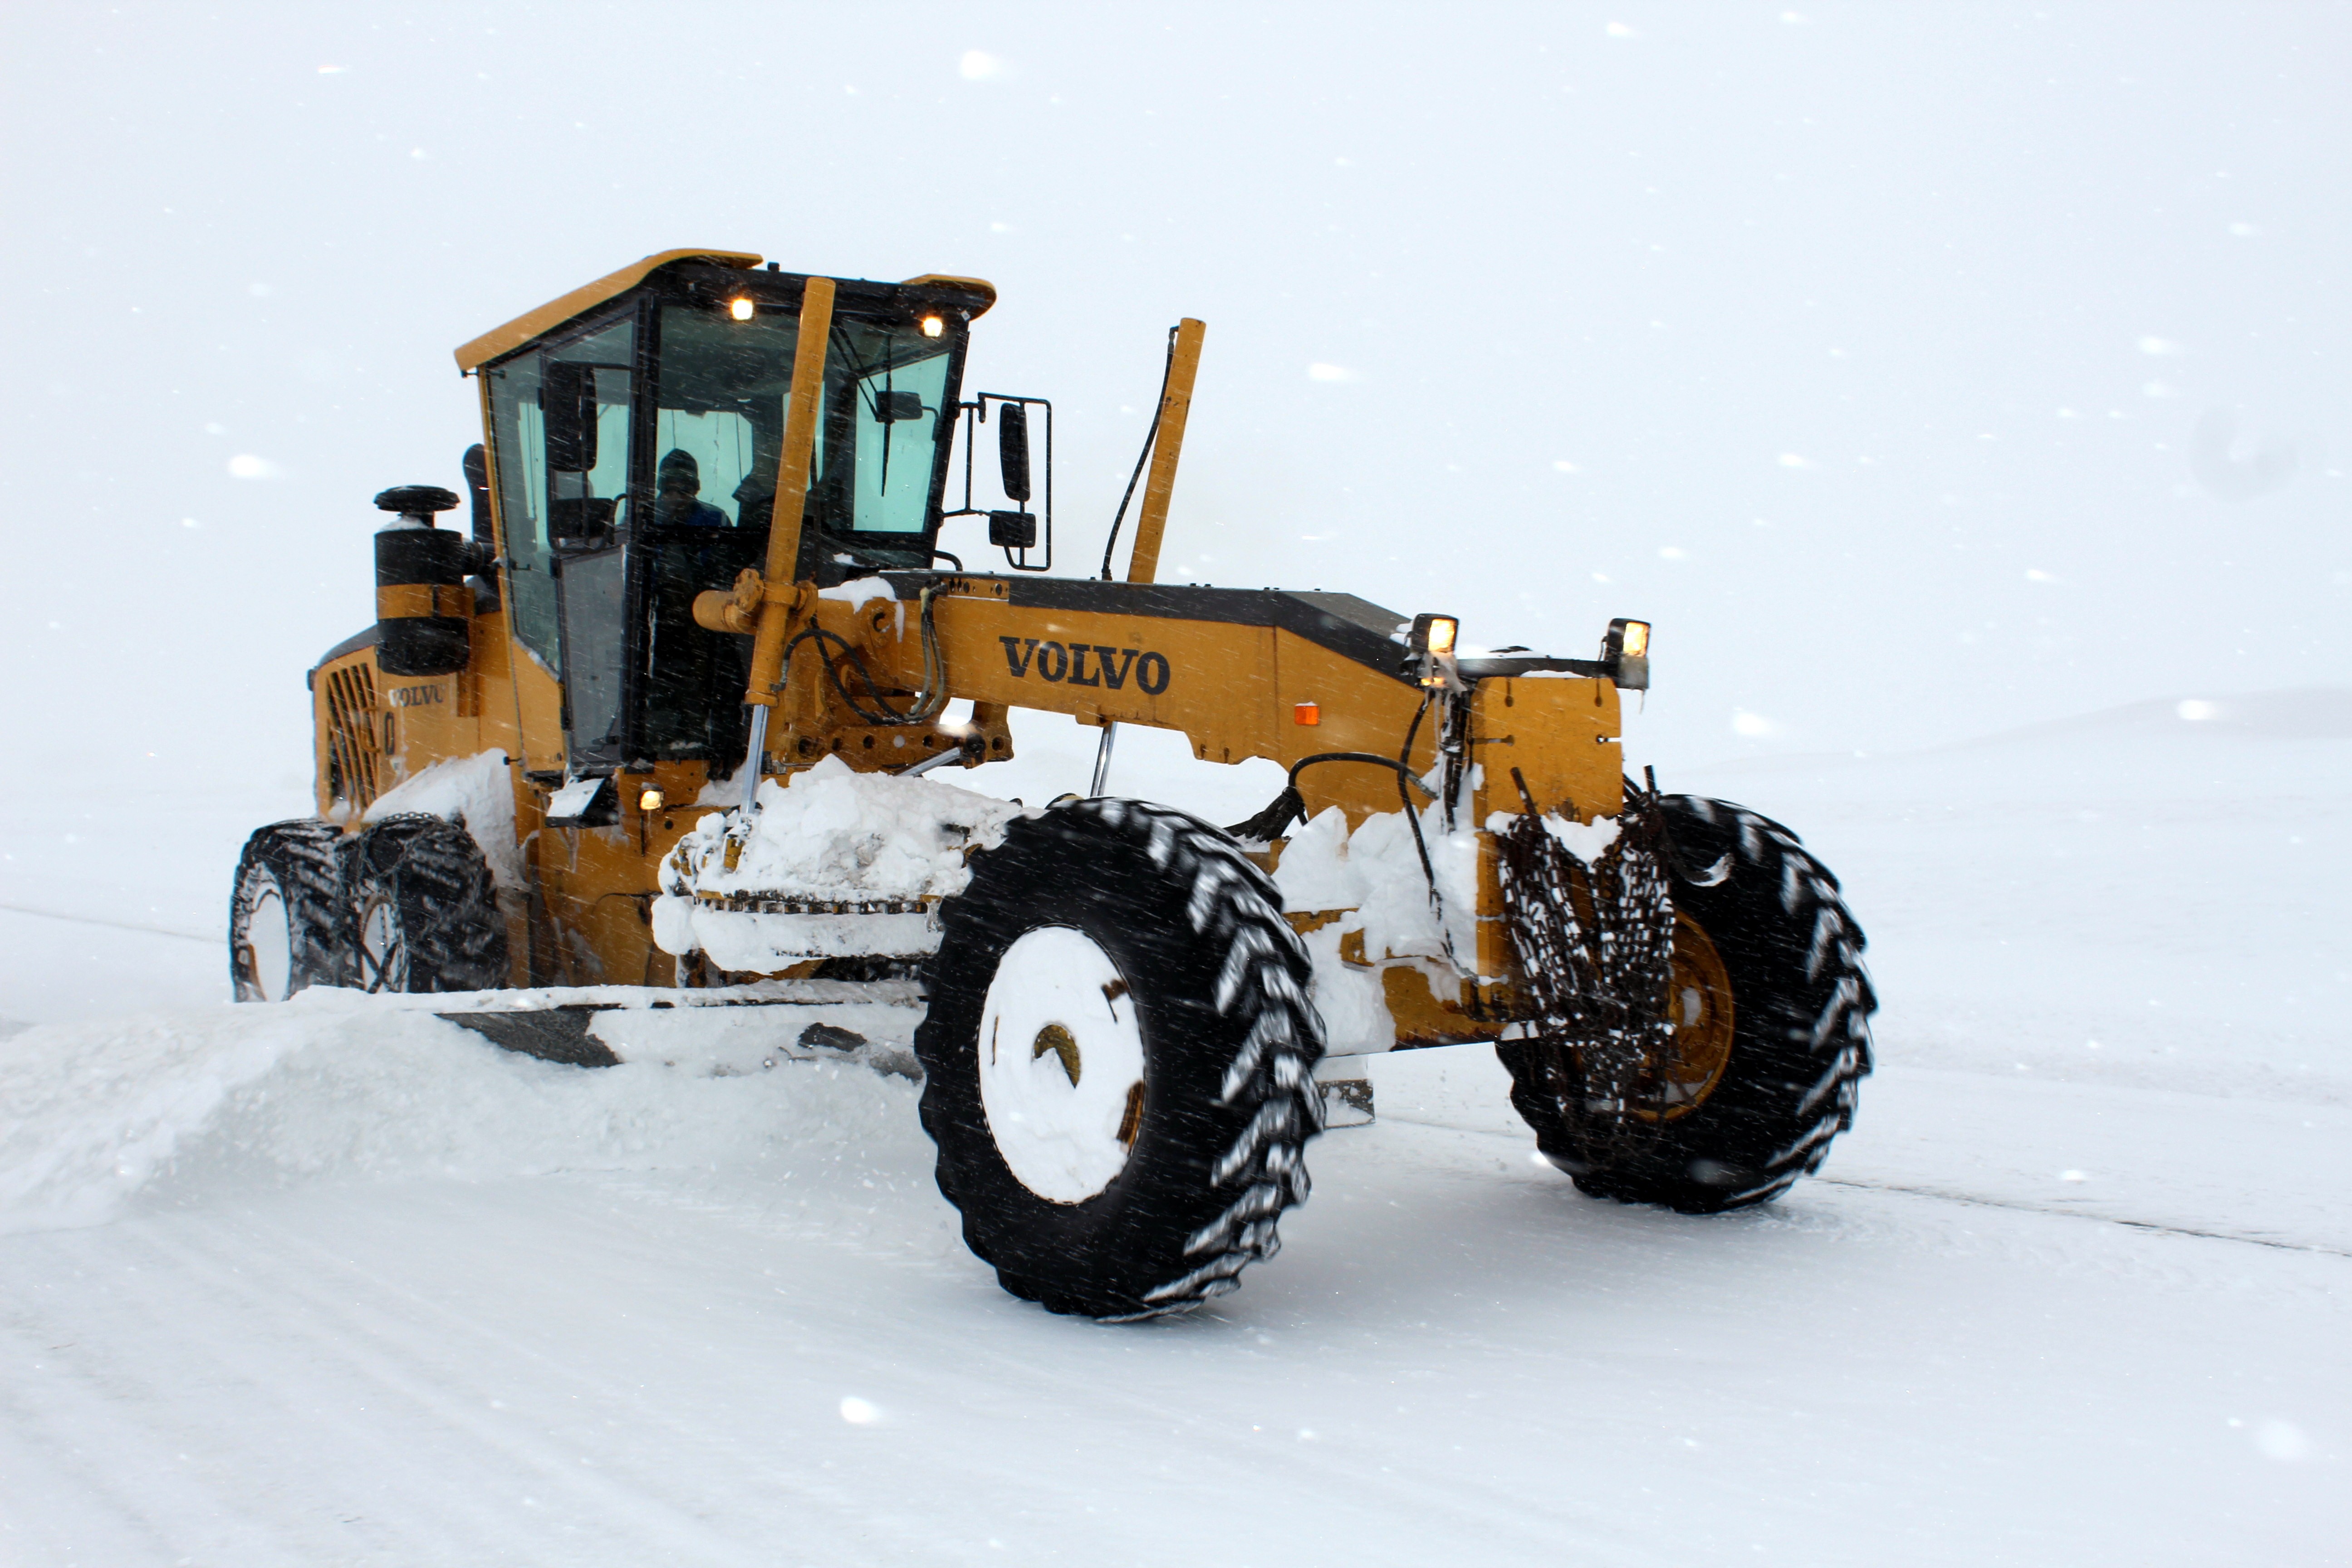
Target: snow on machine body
671, 716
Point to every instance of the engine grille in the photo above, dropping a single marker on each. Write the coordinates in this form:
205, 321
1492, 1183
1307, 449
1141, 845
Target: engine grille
354, 749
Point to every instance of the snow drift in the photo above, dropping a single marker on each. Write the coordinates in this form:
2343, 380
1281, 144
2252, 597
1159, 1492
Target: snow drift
178, 1107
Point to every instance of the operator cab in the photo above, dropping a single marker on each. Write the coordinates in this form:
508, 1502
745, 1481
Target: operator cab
636, 428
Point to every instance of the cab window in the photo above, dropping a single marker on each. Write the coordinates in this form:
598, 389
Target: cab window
542, 510
895, 419
722, 392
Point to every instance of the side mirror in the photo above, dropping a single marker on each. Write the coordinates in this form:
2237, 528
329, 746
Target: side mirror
477, 465
1013, 449
581, 521
1012, 529
896, 408
1017, 530
567, 402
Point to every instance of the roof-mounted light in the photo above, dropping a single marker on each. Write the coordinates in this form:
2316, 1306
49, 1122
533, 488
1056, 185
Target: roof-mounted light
1432, 642
1626, 651
741, 307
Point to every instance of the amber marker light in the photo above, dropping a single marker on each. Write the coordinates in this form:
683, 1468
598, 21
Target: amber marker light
933, 326
740, 307
1308, 714
650, 801
1637, 640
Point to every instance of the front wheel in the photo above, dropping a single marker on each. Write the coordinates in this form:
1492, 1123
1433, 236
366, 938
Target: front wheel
1770, 1015
1119, 1060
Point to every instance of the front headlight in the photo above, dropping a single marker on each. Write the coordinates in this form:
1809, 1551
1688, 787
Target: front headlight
1433, 633
1626, 651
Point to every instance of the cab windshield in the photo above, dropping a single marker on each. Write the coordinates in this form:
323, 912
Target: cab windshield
720, 397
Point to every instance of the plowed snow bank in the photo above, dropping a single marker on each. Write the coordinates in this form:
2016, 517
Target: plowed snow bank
171, 1108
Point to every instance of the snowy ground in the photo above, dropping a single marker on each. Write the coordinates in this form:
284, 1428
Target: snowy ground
316, 1285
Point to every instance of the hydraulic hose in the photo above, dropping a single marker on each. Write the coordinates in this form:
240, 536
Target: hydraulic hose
928, 701
1142, 457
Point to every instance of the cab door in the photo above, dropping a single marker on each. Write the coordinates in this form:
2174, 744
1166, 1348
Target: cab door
563, 436
587, 393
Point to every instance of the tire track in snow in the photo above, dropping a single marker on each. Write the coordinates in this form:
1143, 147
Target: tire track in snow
110, 925
1972, 1200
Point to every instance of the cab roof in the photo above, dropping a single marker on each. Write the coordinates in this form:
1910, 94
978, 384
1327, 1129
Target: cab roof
505, 340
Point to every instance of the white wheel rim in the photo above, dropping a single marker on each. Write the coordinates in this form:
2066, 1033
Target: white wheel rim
268, 940
383, 957
1058, 1002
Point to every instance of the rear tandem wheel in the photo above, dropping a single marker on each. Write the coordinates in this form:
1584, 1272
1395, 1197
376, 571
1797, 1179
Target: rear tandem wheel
288, 922
425, 910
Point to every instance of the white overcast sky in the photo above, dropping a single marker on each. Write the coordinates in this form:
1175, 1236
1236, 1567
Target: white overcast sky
1919, 370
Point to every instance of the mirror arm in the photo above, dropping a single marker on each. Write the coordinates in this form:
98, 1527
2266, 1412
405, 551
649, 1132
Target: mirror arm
978, 409
1019, 559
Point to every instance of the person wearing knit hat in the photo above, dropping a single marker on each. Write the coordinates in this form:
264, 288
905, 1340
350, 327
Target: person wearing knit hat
678, 501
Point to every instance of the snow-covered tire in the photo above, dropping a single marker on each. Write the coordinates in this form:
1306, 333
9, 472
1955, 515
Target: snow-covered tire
425, 911
1141, 943
1799, 1046
288, 922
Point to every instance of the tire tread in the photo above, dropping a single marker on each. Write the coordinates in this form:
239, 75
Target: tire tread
1260, 987
307, 854
1815, 936
447, 900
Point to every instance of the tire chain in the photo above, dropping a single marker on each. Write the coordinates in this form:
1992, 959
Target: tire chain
462, 944
1598, 982
1266, 969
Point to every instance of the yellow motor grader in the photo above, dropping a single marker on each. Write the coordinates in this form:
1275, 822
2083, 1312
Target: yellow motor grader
679, 709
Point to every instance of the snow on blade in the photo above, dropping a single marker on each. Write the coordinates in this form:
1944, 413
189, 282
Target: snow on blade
828, 866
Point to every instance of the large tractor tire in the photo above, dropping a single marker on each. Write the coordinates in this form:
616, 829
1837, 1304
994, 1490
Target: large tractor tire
1772, 1032
1119, 1060
288, 922
425, 912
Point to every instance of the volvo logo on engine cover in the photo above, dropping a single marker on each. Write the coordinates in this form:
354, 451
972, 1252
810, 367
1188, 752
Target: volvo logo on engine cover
1068, 662
415, 696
